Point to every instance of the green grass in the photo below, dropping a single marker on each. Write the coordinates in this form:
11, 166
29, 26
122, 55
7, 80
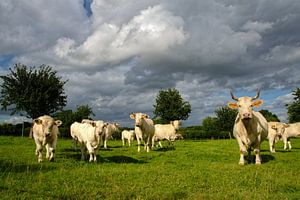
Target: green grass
204, 169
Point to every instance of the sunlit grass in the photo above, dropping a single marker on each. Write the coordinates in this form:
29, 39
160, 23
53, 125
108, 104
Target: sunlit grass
204, 169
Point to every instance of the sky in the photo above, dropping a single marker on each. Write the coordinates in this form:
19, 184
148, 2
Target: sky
118, 54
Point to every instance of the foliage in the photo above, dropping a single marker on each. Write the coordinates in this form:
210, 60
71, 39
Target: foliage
171, 106
225, 118
270, 117
294, 107
33, 91
202, 169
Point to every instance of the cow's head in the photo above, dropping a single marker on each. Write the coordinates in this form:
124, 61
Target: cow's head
279, 128
99, 127
245, 105
47, 125
138, 117
176, 124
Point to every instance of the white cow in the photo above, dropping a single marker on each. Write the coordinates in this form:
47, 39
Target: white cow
147, 128
110, 129
276, 130
88, 135
291, 130
127, 135
165, 132
250, 127
45, 131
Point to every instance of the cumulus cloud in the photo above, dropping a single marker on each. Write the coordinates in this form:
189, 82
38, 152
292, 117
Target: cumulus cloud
117, 58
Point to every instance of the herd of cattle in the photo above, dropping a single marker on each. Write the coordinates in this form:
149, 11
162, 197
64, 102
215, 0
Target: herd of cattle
250, 129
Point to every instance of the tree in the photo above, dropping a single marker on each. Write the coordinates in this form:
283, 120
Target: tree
294, 107
32, 91
171, 106
68, 116
225, 118
270, 117
83, 112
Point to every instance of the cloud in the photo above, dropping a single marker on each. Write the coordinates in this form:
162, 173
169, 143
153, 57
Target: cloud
120, 56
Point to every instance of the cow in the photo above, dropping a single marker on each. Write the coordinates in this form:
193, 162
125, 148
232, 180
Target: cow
276, 130
250, 127
165, 132
88, 135
146, 126
291, 130
110, 129
127, 135
45, 131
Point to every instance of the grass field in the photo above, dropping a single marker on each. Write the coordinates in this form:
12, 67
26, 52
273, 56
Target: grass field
203, 169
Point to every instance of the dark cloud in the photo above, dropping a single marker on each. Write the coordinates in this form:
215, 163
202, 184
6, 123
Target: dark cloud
119, 57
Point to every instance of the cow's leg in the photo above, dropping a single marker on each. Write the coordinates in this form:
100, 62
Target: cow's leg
105, 145
284, 139
289, 143
272, 144
123, 141
129, 142
50, 152
95, 154
38, 151
257, 156
242, 150
147, 148
91, 151
138, 141
83, 148
159, 143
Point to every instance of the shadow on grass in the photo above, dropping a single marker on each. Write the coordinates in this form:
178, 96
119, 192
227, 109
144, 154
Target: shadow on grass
264, 158
121, 159
8, 167
167, 148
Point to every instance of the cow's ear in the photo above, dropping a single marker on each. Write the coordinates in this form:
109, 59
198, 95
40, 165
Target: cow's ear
105, 124
273, 126
93, 124
257, 103
58, 122
37, 121
145, 116
132, 115
286, 125
232, 105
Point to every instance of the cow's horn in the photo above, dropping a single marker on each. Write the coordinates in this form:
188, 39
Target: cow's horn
257, 94
232, 96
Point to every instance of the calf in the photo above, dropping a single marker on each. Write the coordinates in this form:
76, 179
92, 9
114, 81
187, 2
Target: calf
276, 130
45, 131
127, 135
146, 126
291, 130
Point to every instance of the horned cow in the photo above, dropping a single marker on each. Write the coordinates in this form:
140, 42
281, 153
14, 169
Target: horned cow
250, 127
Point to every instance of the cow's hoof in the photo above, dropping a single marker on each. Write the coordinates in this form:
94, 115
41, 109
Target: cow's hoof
241, 163
258, 163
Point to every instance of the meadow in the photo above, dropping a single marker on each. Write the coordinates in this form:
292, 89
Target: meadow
193, 169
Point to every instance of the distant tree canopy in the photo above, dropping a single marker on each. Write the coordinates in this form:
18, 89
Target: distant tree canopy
270, 117
294, 107
225, 118
33, 91
171, 106
68, 116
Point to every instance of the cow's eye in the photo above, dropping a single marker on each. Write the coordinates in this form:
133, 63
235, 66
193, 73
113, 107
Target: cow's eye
240, 106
